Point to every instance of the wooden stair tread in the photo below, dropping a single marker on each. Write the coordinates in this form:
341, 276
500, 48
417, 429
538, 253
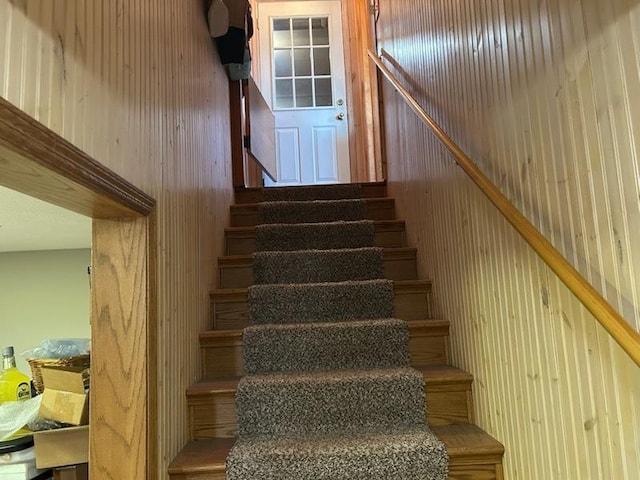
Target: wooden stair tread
376, 202
229, 306
235, 271
373, 202
202, 456
463, 442
222, 349
404, 286
213, 386
241, 240
236, 260
440, 374
246, 214
254, 194
233, 335
378, 224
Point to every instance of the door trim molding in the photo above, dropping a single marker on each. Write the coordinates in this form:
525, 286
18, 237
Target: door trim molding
36, 161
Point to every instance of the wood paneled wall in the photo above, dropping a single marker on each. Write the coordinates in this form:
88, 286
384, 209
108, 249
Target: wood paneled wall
543, 96
137, 85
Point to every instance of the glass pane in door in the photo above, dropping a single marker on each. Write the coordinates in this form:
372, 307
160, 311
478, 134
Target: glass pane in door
282, 61
301, 62
281, 33
320, 31
284, 94
301, 33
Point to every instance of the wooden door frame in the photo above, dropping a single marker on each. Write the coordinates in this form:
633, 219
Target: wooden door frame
123, 398
365, 152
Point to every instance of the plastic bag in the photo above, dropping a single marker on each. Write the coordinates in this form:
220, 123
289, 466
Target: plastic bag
15, 415
59, 348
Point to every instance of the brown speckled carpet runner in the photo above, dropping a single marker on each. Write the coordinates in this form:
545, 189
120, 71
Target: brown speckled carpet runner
328, 391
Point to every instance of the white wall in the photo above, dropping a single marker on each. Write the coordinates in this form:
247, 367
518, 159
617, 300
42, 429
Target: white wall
43, 294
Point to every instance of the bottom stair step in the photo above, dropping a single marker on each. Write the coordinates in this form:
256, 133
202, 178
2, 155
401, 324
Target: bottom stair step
409, 453
473, 455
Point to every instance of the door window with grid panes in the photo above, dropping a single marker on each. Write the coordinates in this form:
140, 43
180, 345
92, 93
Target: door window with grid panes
301, 65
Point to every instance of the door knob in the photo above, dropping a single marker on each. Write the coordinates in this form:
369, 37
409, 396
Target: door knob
340, 116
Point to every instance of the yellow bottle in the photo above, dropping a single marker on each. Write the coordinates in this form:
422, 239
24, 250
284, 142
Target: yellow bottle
14, 385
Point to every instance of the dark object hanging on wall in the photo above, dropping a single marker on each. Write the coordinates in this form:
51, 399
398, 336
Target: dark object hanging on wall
231, 45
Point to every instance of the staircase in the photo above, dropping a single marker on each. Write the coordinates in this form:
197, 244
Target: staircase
472, 454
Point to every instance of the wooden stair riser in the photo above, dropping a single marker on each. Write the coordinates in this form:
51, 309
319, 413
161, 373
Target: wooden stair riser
229, 309
254, 195
213, 415
246, 215
242, 241
222, 350
237, 271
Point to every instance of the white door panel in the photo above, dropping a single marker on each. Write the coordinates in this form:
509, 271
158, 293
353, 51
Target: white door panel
303, 78
325, 155
287, 144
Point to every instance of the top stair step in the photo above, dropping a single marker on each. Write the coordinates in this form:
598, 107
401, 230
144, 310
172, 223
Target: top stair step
246, 215
255, 195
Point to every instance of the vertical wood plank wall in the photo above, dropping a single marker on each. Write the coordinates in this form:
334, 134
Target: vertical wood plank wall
137, 85
544, 97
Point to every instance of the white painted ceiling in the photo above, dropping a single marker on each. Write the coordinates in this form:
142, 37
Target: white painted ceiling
27, 223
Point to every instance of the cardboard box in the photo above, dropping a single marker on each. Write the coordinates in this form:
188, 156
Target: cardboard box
64, 398
65, 446
75, 472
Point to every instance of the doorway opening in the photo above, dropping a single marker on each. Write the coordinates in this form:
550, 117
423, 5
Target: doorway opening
309, 61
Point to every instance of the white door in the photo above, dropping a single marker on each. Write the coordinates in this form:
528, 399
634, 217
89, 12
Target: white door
302, 78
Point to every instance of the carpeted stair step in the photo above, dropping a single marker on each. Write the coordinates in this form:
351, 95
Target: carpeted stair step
333, 401
318, 236
212, 407
317, 302
311, 192
403, 453
229, 308
246, 215
223, 350
473, 455
237, 271
318, 266
363, 344
387, 233
317, 211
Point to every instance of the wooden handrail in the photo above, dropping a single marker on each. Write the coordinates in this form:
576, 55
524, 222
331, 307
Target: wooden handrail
609, 318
